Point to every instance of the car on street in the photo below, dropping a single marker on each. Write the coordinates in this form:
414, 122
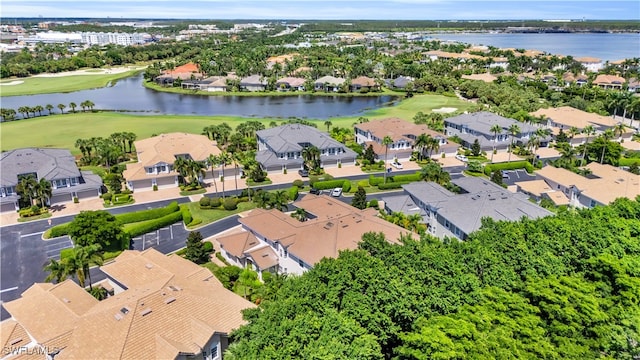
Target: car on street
315, 191
462, 158
396, 165
336, 192
303, 172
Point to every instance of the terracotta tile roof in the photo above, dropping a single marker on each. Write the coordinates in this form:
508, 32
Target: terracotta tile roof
186, 68
486, 77
164, 147
13, 335
534, 187
558, 198
238, 244
162, 317
363, 81
603, 79
264, 257
586, 60
450, 55
292, 81
282, 58
397, 129
569, 117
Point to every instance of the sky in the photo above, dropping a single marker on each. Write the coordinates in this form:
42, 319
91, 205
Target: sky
325, 10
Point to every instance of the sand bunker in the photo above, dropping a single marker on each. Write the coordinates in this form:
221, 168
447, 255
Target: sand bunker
445, 110
14, 82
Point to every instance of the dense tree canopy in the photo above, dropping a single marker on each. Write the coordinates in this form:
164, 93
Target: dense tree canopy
566, 286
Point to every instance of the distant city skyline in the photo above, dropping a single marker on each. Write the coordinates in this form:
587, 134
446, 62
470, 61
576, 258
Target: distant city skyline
325, 10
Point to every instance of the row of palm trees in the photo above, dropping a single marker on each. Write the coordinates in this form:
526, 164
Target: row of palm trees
30, 188
77, 266
33, 111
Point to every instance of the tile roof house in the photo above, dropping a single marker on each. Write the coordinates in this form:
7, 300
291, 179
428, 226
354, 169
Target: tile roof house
189, 71
328, 84
57, 166
253, 83
157, 154
404, 135
609, 81
457, 215
605, 184
271, 240
163, 307
212, 83
363, 83
290, 84
281, 147
579, 80
486, 77
470, 127
590, 63
400, 82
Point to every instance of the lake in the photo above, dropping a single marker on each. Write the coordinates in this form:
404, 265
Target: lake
605, 46
129, 95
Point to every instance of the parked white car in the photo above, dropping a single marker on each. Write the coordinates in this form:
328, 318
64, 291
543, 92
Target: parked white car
462, 158
336, 192
396, 165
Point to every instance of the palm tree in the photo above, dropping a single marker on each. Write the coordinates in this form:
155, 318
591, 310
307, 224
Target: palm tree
131, 138
196, 170
58, 271
49, 107
422, 141
434, 145
61, 107
279, 200
573, 131
39, 109
27, 185
588, 130
236, 158
83, 105
607, 135
386, 141
83, 257
619, 129
328, 124
73, 106
181, 165
24, 110
300, 214
89, 104
514, 130
214, 161
224, 159
495, 129
43, 191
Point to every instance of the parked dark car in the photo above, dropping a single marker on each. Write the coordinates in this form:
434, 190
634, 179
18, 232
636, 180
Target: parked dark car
315, 191
303, 173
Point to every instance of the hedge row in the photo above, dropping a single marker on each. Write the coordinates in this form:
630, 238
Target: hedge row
293, 193
391, 185
330, 184
489, 169
346, 187
629, 161
186, 215
59, 230
152, 225
145, 215
404, 178
375, 181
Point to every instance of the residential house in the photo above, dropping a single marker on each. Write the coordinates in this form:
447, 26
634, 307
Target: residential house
444, 55
157, 154
590, 63
469, 127
499, 62
189, 71
457, 215
579, 80
363, 83
280, 148
401, 82
404, 135
162, 307
328, 84
605, 184
486, 77
609, 81
57, 166
212, 83
290, 84
253, 83
634, 85
270, 240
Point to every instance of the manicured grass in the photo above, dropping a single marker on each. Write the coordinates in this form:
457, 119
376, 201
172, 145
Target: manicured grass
207, 216
193, 192
62, 84
61, 131
37, 217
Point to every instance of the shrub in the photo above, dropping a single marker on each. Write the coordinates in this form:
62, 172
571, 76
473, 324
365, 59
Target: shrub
66, 254
293, 193
490, 168
339, 165
628, 161
59, 230
107, 196
155, 187
392, 185
35, 209
329, 184
363, 183
230, 204
155, 224
346, 186
374, 181
373, 203
195, 222
406, 178
313, 179
299, 183
208, 247
284, 171
215, 202
76, 200
205, 202
144, 215
186, 215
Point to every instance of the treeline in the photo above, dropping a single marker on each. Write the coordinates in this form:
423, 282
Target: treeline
566, 286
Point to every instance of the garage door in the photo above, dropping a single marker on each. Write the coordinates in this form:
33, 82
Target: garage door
141, 185
166, 181
62, 198
87, 194
9, 207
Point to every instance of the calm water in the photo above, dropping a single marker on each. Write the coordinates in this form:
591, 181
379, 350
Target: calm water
609, 47
129, 95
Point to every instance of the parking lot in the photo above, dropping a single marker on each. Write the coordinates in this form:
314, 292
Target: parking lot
510, 177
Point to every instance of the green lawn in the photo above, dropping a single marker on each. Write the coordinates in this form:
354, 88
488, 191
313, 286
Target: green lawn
61, 131
49, 85
210, 215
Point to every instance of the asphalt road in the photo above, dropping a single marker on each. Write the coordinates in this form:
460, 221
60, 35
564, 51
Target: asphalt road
23, 252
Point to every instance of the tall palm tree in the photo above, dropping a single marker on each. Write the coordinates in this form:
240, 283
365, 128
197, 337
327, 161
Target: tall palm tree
514, 130
39, 109
434, 145
27, 185
24, 110
588, 130
224, 159
386, 141
495, 129
196, 170
82, 259
61, 107
131, 138
181, 165
619, 129
214, 162
573, 131
236, 157
422, 141
279, 200
73, 106
43, 191
49, 107
58, 271
606, 136
328, 124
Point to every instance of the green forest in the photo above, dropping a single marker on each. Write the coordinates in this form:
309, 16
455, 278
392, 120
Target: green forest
562, 287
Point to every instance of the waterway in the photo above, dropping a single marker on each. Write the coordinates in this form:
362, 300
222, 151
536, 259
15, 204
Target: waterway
129, 95
604, 46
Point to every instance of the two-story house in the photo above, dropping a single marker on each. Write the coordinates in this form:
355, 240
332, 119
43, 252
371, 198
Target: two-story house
57, 166
157, 154
403, 134
273, 241
281, 148
478, 125
448, 214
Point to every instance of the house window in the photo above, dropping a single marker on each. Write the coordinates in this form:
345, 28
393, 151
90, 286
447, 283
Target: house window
286, 253
301, 263
149, 170
214, 351
74, 181
60, 183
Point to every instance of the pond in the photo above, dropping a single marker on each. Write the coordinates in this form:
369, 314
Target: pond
129, 95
